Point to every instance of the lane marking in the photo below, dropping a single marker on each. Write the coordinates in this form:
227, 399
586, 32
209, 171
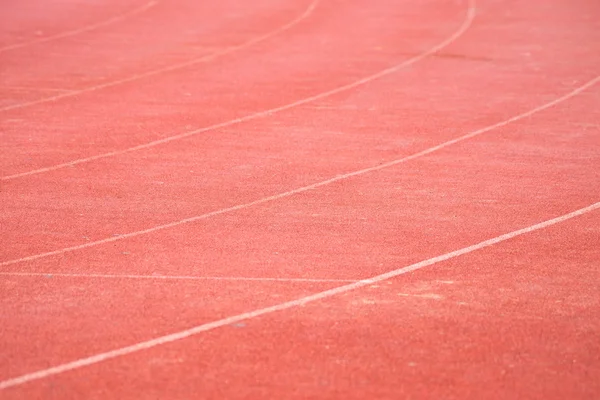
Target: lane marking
208, 57
167, 277
162, 340
463, 28
84, 29
309, 187
324, 294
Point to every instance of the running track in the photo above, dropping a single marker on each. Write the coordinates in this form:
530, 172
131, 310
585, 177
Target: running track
300, 199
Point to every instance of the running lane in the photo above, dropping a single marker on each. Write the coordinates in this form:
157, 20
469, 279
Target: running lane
511, 321
250, 68
151, 37
255, 79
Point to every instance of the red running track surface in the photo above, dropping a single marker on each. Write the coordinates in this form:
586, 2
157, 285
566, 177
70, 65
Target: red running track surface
300, 199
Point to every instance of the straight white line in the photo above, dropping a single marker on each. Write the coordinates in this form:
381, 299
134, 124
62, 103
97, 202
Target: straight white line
309, 187
83, 362
168, 277
173, 67
463, 28
82, 29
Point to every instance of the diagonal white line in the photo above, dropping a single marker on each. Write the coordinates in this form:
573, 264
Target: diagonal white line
170, 68
83, 29
83, 362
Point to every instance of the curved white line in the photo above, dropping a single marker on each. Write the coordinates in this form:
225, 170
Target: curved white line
173, 67
83, 29
309, 187
470, 14
100, 357
367, 79
41, 374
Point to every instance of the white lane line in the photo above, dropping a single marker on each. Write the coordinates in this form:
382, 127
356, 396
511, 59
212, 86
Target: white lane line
83, 29
167, 277
309, 187
463, 28
173, 67
100, 357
